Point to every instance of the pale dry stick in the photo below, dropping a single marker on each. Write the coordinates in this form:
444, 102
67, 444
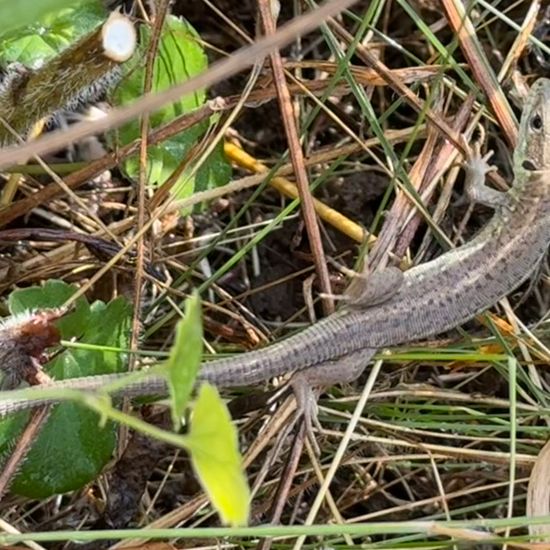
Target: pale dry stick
222, 69
501, 15
330, 502
339, 455
538, 492
443, 499
521, 41
160, 12
6, 527
492, 457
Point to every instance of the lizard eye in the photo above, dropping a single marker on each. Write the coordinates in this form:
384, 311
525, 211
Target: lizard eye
528, 165
536, 122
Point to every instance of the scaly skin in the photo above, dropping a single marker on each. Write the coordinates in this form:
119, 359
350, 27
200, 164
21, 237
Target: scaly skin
433, 297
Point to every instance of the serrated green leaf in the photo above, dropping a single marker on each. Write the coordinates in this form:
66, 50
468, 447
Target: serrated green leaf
215, 456
72, 448
180, 56
185, 358
35, 43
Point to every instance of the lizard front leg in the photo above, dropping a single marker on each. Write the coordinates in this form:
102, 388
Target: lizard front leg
476, 168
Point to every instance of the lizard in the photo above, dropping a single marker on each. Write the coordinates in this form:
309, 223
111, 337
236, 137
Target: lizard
431, 298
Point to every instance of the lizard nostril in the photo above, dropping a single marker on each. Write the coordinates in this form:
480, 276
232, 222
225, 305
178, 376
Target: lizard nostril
528, 165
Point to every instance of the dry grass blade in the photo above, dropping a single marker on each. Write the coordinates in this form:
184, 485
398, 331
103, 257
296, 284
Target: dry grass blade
465, 31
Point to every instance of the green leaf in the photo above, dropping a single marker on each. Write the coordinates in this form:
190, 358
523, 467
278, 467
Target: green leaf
40, 40
215, 457
215, 173
71, 449
25, 12
185, 358
180, 56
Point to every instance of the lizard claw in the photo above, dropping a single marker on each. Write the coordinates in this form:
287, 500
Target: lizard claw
477, 167
478, 163
307, 410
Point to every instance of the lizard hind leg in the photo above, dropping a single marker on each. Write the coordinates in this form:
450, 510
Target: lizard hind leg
339, 371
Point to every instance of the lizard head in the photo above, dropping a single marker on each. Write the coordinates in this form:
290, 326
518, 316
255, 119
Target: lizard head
533, 150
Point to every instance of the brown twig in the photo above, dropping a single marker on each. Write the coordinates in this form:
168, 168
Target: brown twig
99, 247
297, 157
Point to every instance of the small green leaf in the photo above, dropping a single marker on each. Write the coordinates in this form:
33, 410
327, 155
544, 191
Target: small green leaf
215, 173
185, 358
180, 56
72, 448
215, 457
